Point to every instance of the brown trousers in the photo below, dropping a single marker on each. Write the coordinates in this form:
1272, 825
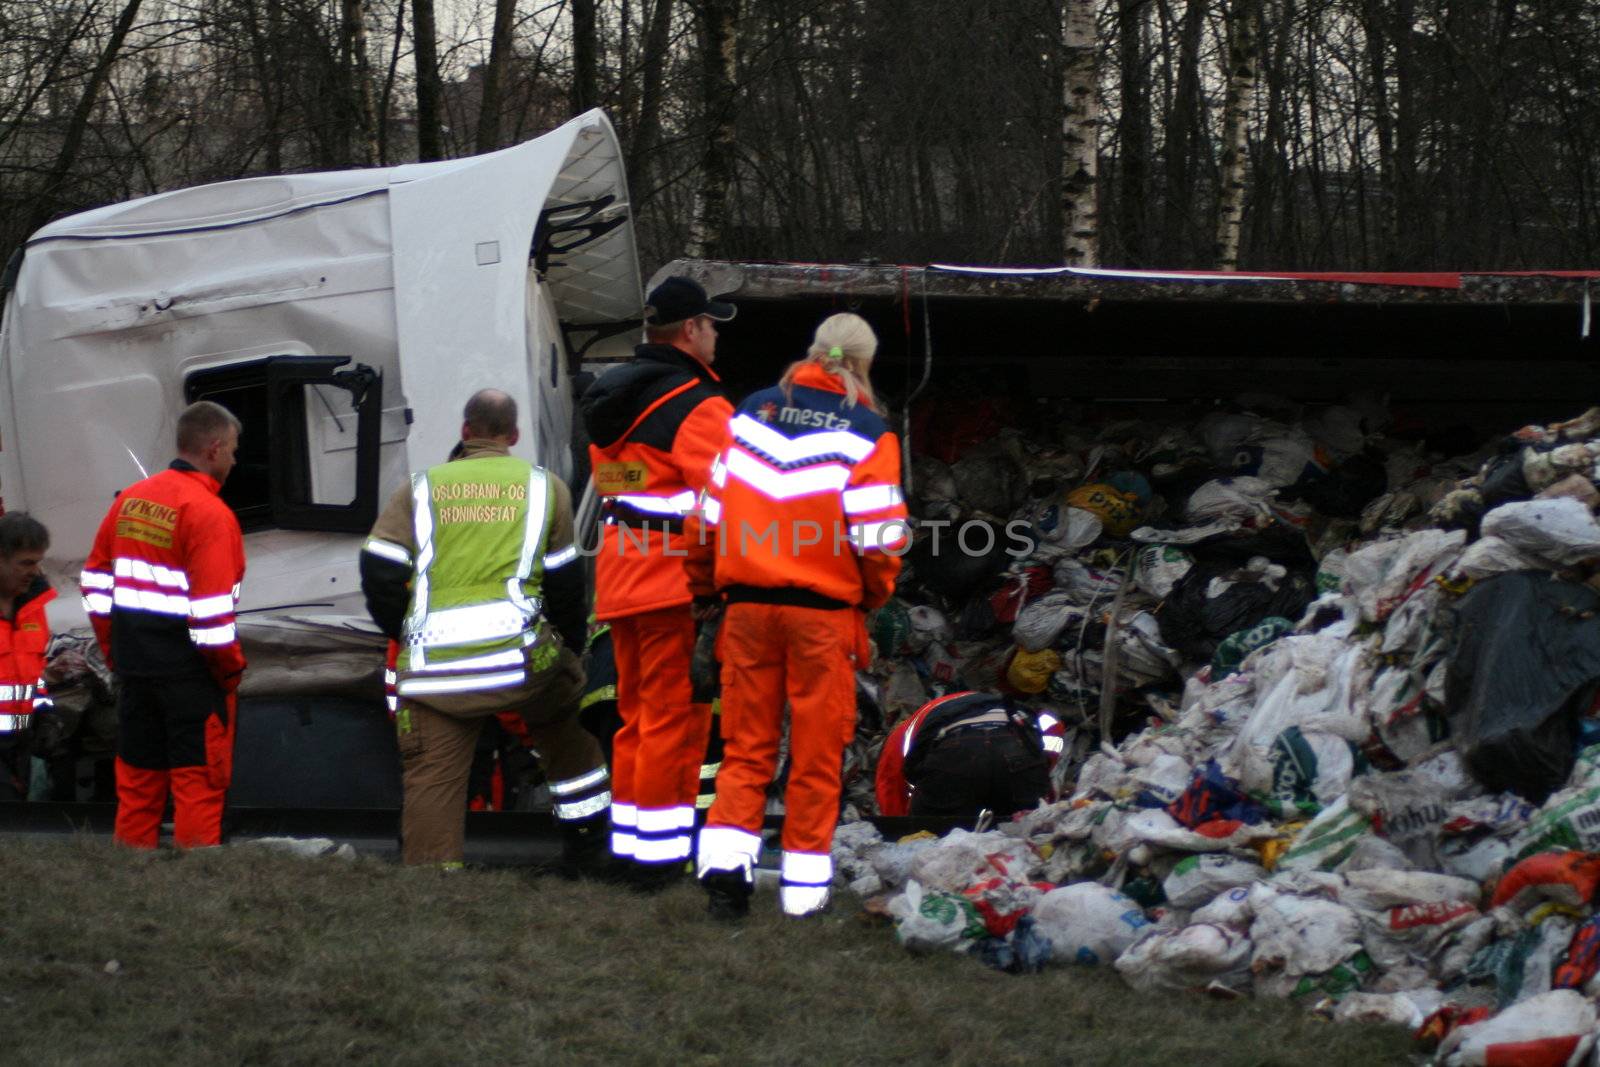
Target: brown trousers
437, 738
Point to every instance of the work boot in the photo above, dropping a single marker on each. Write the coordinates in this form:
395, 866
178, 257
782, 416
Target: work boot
652, 878
586, 853
728, 895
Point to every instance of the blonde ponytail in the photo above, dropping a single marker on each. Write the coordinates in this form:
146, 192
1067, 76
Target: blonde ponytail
843, 346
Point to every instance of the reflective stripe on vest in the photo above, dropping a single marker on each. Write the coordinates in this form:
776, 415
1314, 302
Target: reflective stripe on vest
449, 628
13, 723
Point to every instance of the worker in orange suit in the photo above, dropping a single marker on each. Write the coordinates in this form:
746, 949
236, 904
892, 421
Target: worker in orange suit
24, 636
800, 534
161, 586
655, 425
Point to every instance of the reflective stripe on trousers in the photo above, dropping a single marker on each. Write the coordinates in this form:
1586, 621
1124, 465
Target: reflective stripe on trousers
804, 885
664, 834
584, 797
727, 848
624, 822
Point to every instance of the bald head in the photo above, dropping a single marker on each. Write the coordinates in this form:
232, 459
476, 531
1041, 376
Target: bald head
491, 414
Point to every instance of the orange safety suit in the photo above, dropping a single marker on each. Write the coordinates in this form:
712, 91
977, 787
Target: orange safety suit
23, 639
655, 426
161, 586
803, 527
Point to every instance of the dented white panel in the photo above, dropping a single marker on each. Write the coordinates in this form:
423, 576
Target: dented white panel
421, 271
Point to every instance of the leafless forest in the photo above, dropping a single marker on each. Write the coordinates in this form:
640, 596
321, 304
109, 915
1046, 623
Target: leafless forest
1351, 134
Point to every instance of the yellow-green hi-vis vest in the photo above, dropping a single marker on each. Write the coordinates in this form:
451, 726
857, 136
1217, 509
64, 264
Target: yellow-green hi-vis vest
481, 529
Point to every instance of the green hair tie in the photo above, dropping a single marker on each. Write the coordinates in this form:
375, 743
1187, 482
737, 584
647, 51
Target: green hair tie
835, 352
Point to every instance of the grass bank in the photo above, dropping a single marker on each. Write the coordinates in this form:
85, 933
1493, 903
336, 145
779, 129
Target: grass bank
240, 955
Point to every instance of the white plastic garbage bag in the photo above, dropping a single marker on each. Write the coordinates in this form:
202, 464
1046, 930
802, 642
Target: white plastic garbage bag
1165, 777
1414, 805
1407, 1009
928, 625
1230, 908
961, 858
1040, 622
1559, 531
1494, 555
305, 847
1302, 935
1307, 681
929, 921
1412, 933
1185, 958
1375, 890
1088, 922
1326, 841
1200, 878
1233, 499
1559, 1025
1153, 826
1160, 568
1381, 575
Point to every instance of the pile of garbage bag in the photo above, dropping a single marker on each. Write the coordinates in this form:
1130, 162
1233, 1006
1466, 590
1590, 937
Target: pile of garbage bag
1332, 695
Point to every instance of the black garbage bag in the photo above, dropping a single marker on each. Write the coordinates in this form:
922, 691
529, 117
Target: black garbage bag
1195, 622
1279, 542
1345, 490
1524, 666
1503, 480
960, 558
869, 713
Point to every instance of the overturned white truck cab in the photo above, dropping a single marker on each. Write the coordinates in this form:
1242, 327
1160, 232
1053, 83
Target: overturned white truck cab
345, 318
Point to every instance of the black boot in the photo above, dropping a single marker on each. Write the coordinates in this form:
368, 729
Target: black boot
728, 895
649, 878
586, 852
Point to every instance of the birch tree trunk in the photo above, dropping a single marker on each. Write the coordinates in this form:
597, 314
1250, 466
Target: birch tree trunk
1080, 121
1244, 22
429, 139
718, 54
1383, 119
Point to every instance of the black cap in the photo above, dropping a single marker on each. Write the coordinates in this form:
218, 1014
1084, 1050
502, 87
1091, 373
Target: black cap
678, 298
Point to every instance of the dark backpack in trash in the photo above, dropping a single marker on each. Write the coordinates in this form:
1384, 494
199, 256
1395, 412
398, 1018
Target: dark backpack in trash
1524, 667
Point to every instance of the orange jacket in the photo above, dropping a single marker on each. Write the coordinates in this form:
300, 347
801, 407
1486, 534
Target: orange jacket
655, 427
161, 583
805, 505
22, 647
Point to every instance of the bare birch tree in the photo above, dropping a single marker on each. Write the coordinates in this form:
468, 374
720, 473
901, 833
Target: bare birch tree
358, 73
1080, 125
1244, 22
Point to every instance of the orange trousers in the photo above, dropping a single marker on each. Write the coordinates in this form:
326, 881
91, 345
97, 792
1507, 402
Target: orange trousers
173, 736
657, 752
771, 653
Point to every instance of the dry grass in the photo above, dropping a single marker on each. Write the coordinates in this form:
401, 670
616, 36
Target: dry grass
243, 956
